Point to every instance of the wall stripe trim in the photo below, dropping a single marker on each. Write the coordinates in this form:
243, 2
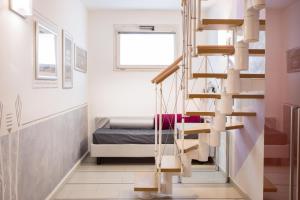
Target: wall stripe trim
35, 121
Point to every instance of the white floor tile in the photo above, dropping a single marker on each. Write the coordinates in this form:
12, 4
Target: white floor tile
209, 191
94, 167
79, 191
125, 191
91, 181
113, 168
205, 177
96, 177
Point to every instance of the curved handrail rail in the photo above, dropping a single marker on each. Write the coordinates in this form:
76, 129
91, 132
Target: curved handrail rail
167, 72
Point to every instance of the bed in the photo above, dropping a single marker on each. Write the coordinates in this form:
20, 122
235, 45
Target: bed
131, 137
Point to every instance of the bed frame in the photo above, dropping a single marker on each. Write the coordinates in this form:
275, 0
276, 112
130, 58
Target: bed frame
125, 150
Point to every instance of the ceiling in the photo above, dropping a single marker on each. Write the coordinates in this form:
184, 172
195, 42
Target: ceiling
278, 4
161, 4
137, 4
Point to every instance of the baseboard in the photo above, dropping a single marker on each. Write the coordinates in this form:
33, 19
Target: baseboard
63, 181
239, 189
225, 174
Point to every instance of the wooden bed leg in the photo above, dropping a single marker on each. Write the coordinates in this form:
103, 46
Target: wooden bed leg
99, 160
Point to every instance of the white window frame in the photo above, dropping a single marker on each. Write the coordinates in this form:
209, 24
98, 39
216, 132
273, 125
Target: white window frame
137, 29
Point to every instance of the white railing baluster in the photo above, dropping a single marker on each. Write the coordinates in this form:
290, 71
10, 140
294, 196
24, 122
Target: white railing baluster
190, 38
175, 120
194, 27
156, 126
198, 14
160, 133
160, 123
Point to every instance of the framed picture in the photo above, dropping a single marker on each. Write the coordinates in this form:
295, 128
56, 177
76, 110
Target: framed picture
80, 59
68, 60
293, 60
45, 52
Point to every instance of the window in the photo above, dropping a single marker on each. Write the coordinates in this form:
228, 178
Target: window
145, 47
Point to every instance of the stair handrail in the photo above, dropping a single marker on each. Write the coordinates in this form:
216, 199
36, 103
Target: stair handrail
164, 74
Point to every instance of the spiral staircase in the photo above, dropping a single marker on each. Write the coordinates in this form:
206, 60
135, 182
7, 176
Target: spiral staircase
224, 115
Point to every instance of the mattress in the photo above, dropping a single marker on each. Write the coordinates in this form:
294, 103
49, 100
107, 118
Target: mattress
132, 136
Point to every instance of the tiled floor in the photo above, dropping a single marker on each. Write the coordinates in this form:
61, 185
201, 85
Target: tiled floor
116, 182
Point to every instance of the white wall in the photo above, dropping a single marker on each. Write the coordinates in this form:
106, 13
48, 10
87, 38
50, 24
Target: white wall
17, 59
113, 93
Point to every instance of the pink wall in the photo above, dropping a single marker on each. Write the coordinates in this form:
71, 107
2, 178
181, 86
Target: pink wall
283, 33
274, 64
291, 27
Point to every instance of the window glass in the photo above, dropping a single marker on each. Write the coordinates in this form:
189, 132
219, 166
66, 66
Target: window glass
146, 49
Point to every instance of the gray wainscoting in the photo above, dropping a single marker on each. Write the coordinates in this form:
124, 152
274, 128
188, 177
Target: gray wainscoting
47, 151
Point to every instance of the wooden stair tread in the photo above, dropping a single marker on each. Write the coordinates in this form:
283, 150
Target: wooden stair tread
212, 114
224, 76
189, 144
145, 182
170, 164
218, 96
269, 186
225, 24
199, 128
225, 50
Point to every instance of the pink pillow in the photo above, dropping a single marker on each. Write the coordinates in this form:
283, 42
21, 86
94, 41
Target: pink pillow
168, 120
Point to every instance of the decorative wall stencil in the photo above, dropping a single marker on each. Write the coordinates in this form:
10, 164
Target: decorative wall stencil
9, 151
80, 59
33, 177
1, 157
18, 108
1, 172
1, 112
68, 60
9, 122
46, 51
41, 170
9, 128
16, 145
293, 60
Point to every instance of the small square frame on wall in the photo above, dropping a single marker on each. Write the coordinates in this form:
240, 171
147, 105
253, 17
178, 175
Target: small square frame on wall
80, 59
293, 60
68, 60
